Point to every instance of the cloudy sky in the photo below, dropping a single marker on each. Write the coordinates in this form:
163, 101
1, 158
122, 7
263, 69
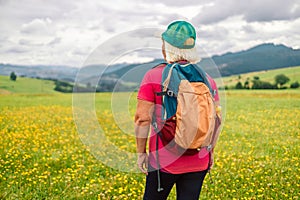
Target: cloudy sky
60, 32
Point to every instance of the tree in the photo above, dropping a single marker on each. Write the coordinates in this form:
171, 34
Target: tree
267, 85
281, 79
62, 86
295, 84
258, 84
239, 85
247, 84
13, 76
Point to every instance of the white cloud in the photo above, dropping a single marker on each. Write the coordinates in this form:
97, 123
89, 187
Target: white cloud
37, 26
132, 57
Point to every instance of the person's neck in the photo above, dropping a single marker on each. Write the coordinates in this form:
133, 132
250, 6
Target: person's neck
180, 61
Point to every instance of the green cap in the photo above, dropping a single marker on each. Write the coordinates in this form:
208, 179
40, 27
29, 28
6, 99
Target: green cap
178, 32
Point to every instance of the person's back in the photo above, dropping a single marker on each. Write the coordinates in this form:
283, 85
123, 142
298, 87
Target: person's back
186, 171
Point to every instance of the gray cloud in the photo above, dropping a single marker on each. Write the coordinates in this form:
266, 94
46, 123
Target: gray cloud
212, 33
166, 19
32, 9
17, 50
26, 42
172, 3
55, 41
3, 38
272, 10
252, 11
80, 52
249, 28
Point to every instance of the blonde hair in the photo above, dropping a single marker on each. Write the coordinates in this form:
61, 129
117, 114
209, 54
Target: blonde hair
174, 54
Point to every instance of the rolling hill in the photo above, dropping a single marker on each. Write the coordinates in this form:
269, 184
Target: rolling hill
34, 86
267, 75
26, 85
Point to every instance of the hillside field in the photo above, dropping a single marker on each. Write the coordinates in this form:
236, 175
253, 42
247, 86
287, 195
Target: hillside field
25, 85
292, 72
42, 156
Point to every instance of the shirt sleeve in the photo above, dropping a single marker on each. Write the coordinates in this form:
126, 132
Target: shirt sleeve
146, 91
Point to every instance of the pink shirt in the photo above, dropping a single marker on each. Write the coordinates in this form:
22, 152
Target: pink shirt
169, 162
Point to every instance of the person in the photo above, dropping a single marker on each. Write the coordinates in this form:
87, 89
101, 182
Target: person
187, 172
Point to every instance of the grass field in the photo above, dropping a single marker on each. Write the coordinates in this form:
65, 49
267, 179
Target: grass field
25, 85
42, 157
292, 72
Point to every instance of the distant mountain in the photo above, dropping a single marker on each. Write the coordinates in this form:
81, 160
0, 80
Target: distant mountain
262, 57
40, 71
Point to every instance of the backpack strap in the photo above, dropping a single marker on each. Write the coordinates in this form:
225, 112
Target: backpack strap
205, 79
167, 92
158, 134
167, 81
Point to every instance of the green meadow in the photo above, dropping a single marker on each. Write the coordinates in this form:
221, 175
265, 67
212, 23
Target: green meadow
268, 75
42, 156
25, 85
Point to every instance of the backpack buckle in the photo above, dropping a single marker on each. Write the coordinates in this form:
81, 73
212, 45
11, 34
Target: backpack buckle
209, 148
155, 126
170, 93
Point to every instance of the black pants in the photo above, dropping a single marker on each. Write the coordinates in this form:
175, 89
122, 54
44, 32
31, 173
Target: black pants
188, 185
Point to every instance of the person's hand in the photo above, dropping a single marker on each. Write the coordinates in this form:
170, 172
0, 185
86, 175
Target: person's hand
142, 162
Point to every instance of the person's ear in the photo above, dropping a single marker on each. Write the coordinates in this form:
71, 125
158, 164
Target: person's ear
163, 49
